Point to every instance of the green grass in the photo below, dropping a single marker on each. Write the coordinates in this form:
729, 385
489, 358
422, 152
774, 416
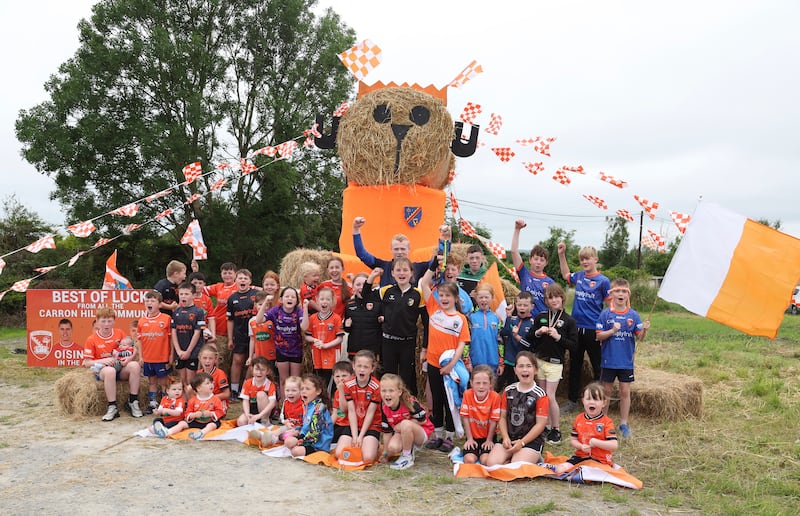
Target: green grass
13, 333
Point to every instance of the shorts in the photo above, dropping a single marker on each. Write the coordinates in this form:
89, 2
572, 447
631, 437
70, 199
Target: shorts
97, 375
309, 449
374, 433
199, 426
609, 375
338, 431
280, 357
577, 460
190, 364
240, 348
166, 425
158, 369
476, 450
536, 445
548, 371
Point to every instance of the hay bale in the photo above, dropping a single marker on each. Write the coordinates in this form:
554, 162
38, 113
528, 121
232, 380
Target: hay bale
79, 394
665, 396
291, 263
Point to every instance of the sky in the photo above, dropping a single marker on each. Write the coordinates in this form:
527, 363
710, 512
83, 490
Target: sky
683, 100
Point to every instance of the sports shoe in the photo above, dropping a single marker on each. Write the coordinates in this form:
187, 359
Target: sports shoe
403, 462
151, 407
160, 429
133, 406
625, 430
568, 407
434, 443
112, 413
197, 435
554, 437
446, 446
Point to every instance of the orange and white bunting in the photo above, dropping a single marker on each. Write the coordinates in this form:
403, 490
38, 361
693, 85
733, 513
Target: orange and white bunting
192, 198
341, 110
22, 285
470, 112
504, 153
44, 270
625, 214
361, 58
46, 242
597, 201
612, 181
129, 210
681, 220
649, 242
3, 294
660, 241
247, 167
164, 213
497, 250
467, 229
542, 145
533, 168
650, 207
286, 149
164, 193
495, 123
75, 258
104, 241
469, 72
561, 177
192, 172
453, 204
82, 229
451, 176
130, 228
194, 237
511, 270
577, 169
2, 265
265, 151
219, 183
222, 166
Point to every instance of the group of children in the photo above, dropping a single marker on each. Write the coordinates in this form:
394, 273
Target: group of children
515, 359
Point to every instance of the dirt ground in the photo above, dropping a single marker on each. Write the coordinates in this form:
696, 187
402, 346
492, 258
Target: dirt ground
54, 464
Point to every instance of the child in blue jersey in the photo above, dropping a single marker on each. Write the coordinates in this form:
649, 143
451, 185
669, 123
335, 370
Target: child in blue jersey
534, 280
591, 291
317, 430
618, 327
484, 349
513, 333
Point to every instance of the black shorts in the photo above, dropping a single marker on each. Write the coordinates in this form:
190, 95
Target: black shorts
577, 460
166, 425
198, 425
240, 348
190, 364
373, 433
280, 357
609, 375
309, 449
338, 431
476, 450
536, 445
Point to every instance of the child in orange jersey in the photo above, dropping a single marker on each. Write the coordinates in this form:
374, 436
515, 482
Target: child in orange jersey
363, 395
325, 334
310, 272
262, 343
208, 364
593, 435
291, 414
169, 411
258, 394
317, 429
219, 293
480, 414
204, 410
404, 422
153, 331
271, 284
342, 371
203, 300
341, 291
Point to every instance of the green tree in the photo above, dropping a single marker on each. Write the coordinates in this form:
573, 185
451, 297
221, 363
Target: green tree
158, 84
615, 245
551, 244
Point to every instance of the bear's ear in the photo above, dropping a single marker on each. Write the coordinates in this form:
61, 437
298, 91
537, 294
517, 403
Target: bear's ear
329, 141
462, 149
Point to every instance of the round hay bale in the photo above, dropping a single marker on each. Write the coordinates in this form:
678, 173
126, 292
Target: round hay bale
372, 154
292, 263
665, 396
79, 394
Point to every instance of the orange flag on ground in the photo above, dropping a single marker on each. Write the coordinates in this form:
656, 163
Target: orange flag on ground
113, 279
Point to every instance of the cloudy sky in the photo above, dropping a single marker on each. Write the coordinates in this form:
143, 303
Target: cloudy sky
681, 99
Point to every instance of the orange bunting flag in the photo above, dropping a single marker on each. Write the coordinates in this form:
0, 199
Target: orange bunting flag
451, 176
113, 280
661, 243
192, 198
361, 58
453, 204
82, 229
649, 242
341, 110
469, 72
3, 294
534, 168
101, 242
681, 220
504, 153
2, 265
625, 214
247, 167
286, 149
222, 166
497, 250
130, 228
164, 213
610, 180
219, 183
192, 172
649, 206
129, 210
46, 242
561, 177
492, 277
467, 229
44, 270
194, 237
22, 285
495, 123
600, 203
542, 145
151, 198
511, 270
310, 134
471, 111
578, 169
265, 151
75, 258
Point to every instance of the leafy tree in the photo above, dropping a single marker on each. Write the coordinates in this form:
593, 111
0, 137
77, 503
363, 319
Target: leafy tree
615, 245
657, 263
158, 84
774, 224
551, 244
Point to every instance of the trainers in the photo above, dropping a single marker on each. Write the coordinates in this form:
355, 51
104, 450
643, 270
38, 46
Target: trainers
112, 413
151, 407
196, 435
568, 407
403, 462
446, 446
133, 406
554, 437
625, 430
434, 443
160, 429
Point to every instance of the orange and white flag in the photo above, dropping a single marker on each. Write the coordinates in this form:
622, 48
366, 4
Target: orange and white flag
361, 58
469, 72
492, 277
194, 237
46, 242
113, 279
733, 270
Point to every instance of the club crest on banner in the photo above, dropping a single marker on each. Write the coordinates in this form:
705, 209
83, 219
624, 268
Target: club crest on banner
412, 215
40, 342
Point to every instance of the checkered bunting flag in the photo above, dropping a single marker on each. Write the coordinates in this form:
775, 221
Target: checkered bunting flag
577, 169
561, 177
469, 72
661, 243
649, 242
286, 149
650, 207
151, 198
75, 258
164, 213
104, 241
453, 204
219, 183
467, 229
342, 109
22, 285
2, 265
130, 228
247, 167
46, 242
45, 269
625, 214
361, 58
542, 145
612, 181
129, 210
471, 111
497, 250
504, 153
534, 168
82, 229
511, 270
681, 220
495, 123
192, 198
597, 201
192, 172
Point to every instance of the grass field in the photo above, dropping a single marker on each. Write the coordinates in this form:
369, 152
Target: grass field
741, 457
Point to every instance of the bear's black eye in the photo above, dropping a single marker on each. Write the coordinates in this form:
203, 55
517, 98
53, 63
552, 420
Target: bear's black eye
420, 115
382, 114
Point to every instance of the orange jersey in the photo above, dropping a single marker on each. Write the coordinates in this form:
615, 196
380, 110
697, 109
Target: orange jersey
325, 330
204, 302
98, 347
221, 292
362, 398
480, 412
292, 412
601, 427
212, 404
444, 331
308, 292
340, 407
154, 335
250, 390
339, 291
264, 343
169, 403
220, 384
